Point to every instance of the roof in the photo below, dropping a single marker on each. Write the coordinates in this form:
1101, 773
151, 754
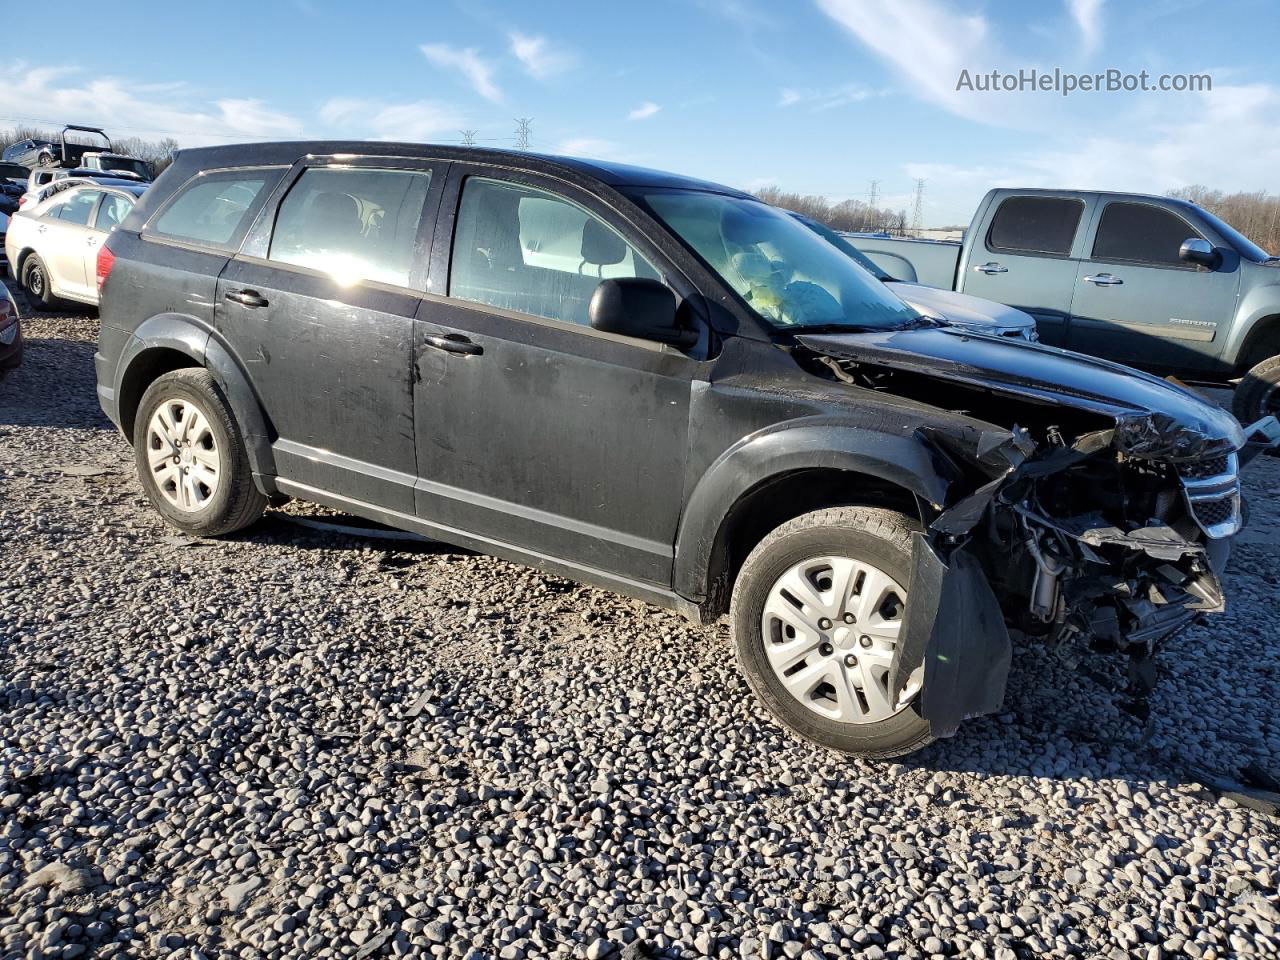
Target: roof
613, 174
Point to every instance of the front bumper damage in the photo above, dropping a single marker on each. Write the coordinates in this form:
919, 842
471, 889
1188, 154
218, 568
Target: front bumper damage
1086, 579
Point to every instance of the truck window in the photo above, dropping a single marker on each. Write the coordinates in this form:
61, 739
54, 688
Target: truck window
352, 224
1035, 225
1141, 233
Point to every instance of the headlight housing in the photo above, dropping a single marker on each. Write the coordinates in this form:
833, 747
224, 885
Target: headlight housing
1156, 436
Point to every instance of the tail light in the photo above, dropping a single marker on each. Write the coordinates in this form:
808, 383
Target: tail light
21, 200
106, 260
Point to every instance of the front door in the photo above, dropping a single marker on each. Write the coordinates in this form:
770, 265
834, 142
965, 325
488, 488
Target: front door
1025, 260
322, 314
534, 429
1138, 302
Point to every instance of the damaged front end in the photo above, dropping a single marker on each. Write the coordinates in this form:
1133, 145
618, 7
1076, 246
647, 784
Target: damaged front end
1075, 519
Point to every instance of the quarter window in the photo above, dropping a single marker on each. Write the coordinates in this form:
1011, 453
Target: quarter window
113, 210
1141, 232
78, 207
1035, 225
352, 224
211, 210
523, 249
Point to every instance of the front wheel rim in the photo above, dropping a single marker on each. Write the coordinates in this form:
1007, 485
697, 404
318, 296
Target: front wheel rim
183, 455
830, 626
35, 280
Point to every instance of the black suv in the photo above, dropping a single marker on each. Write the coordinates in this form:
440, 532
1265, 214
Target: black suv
666, 388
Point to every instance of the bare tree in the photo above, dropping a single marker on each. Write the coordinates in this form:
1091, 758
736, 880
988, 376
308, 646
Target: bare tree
852, 215
1256, 215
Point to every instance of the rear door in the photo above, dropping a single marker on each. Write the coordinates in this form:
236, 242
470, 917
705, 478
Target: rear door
319, 306
65, 235
1027, 258
1138, 302
111, 211
534, 429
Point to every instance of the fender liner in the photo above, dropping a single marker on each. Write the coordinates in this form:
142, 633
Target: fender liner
905, 460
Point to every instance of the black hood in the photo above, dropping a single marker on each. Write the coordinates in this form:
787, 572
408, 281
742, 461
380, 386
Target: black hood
1035, 372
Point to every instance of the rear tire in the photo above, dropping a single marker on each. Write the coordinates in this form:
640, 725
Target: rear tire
35, 280
841, 630
191, 458
1258, 393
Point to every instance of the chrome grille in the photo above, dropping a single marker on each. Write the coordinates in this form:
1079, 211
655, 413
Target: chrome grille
1212, 491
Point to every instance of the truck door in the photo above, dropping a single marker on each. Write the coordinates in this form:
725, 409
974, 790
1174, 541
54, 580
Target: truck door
1138, 302
1025, 258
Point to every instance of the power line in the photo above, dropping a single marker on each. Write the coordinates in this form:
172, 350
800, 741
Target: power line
524, 126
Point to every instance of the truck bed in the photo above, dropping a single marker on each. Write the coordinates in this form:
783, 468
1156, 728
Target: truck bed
931, 262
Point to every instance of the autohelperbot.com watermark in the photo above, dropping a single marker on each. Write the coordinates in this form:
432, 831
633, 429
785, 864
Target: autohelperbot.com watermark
1065, 82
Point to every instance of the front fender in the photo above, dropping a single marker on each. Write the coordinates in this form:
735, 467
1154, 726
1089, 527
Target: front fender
1258, 304
904, 460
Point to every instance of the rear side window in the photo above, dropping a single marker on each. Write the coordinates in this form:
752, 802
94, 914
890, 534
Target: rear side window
1141, 233
114, 209
211, 211
1035, 225
352, 224
533, 252
78, 207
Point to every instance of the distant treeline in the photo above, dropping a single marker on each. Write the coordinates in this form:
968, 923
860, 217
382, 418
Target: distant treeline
159, 153
851, 215
1256, 215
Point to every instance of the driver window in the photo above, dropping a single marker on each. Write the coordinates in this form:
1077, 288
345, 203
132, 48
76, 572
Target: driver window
527, 250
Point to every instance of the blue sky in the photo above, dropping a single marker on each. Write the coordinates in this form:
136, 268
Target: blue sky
820, 96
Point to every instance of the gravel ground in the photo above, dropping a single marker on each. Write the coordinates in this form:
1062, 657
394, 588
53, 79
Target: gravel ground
293, 743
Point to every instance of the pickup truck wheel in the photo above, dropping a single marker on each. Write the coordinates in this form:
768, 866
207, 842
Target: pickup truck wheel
190, 457
816, 613
1258, 393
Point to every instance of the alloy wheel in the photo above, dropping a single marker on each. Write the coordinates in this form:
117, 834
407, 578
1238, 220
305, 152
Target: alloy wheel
831, 626
183, 455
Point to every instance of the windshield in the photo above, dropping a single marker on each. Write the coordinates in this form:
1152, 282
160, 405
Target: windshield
788, 274
1244, 246
843, 245
124, 163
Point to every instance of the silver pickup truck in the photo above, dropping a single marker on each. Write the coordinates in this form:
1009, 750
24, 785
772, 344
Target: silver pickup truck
1153, 282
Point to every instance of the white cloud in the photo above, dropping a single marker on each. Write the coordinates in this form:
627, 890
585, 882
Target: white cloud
477, 71
589, 147
644, 111
418, 120
133, 109
826, 99
1088, 17
925, 41
539, 57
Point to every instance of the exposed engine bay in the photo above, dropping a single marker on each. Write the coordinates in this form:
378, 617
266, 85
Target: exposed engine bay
1085, 523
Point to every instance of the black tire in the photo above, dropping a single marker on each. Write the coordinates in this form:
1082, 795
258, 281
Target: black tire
44, 160
878, 536
236, 502
35, 280
1258, 393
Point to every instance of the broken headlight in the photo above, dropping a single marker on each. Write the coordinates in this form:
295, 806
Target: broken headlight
1155, 436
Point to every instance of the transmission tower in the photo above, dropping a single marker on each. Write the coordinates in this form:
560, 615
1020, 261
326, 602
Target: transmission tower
917, 211
468, 137
873, 214
524, 126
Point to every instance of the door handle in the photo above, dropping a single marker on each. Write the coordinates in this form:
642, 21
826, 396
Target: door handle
990, 268
246, 298
42, 228
91, 240
453, 343
1104, 280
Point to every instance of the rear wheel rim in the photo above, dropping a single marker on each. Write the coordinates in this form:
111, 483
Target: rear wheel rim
830, 626
35, 280
183, 455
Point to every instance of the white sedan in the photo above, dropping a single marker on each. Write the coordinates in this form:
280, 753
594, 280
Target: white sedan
52, 246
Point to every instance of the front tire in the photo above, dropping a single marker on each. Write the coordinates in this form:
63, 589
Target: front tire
191, 458
1258, 393
816, 612
35, 280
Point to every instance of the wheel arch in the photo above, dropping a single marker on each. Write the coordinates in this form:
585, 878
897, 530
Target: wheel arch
780, 474
172, 342
1260, 342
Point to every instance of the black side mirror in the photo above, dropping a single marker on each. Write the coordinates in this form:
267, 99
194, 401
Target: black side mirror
638, 307
1200, 252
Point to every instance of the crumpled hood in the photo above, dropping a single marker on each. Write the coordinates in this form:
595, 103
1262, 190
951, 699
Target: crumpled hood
962, 308
1033, 371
